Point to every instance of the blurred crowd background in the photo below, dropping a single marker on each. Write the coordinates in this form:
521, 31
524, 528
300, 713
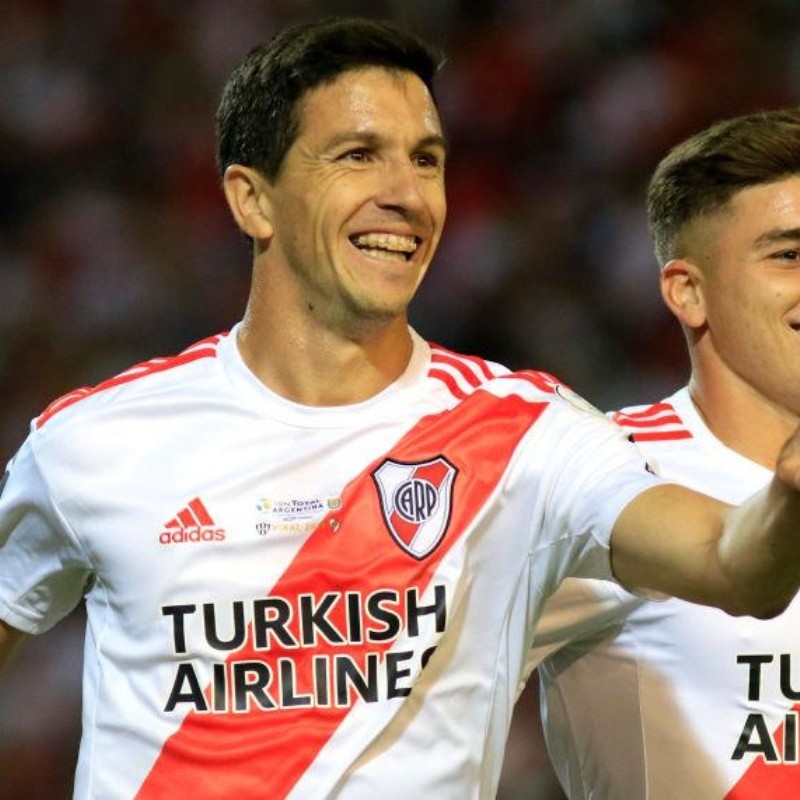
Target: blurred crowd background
115, 245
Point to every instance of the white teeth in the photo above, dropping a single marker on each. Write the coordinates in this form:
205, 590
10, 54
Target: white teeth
384, 255
389, 242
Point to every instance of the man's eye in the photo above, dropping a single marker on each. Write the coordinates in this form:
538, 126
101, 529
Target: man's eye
426, 160
789, 255
356, 154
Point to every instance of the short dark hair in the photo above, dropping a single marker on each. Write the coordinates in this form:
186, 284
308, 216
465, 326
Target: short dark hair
703, 173
257, 119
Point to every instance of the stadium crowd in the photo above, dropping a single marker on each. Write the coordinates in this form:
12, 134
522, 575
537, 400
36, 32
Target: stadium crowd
115, 244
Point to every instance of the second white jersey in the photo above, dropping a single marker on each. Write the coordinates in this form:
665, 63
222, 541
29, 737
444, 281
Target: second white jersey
647, 700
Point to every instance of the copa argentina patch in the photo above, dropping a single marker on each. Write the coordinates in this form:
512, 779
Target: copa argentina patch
416, 501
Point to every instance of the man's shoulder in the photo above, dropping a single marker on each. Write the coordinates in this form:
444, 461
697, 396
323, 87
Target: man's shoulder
459, 373
673, 437
463, 374
660, 422
174, 373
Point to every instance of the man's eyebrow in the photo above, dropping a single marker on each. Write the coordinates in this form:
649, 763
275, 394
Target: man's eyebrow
777, 235
434, 140
372, 139
363, 137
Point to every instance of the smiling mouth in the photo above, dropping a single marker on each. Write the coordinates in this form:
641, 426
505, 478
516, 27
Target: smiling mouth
387, 246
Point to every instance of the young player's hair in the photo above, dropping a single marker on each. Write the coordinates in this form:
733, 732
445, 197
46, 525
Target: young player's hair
703, 173
258, 116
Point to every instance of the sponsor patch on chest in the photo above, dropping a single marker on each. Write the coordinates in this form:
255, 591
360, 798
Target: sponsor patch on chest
276, 515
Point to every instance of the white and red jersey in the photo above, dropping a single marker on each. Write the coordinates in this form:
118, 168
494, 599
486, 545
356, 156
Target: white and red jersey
291, 601
670, 700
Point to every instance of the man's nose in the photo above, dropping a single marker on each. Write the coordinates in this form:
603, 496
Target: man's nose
400, 186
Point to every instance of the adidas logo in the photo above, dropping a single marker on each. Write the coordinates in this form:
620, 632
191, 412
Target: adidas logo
192, 523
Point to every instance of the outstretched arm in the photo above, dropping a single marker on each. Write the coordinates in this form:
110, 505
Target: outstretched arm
10, 640
745, 560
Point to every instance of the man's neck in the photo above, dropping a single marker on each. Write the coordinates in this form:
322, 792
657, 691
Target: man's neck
324, 367
740, 417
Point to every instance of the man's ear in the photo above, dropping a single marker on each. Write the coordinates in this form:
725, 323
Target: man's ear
245, 191
682, 288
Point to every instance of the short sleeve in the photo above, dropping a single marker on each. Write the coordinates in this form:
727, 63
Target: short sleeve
43, 569
589, 472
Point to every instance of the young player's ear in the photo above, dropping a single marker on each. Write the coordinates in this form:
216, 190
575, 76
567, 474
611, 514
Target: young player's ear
245, 191
682, 291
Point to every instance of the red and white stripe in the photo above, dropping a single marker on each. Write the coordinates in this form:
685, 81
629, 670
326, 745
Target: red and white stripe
462, 375
767, 779
543, 381
657, 423
205, 348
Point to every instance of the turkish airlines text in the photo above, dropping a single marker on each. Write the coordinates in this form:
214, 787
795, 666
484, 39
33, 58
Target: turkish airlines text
275, 652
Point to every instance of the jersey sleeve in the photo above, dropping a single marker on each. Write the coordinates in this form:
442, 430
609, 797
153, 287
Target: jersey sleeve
589, 474
43, 568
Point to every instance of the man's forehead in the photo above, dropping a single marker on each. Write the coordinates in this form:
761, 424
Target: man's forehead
778, 193
369, 74
370, 91
758, 215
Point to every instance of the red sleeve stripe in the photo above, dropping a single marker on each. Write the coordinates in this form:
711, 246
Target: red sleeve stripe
649, 411
204, 349
661, 436
457, 366
627, 422
449, 381
466, 384
659, 415
543, 381
470, 365
459, 373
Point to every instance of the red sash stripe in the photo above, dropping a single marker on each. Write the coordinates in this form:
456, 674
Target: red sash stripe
765, 781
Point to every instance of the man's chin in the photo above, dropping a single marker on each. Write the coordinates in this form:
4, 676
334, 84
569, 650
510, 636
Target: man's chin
366, 318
